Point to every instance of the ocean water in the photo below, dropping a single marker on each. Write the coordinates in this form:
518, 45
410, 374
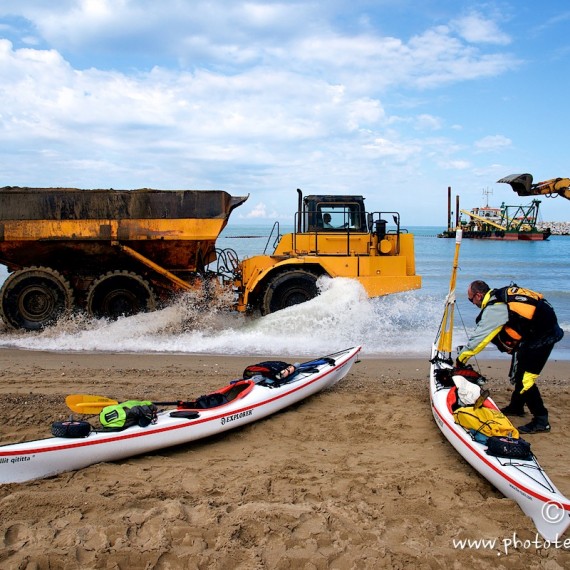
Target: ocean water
404, 324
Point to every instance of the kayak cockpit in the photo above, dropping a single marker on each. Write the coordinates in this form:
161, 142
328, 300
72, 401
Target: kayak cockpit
221, 397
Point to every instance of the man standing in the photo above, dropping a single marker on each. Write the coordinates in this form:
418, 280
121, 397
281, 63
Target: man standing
522, 323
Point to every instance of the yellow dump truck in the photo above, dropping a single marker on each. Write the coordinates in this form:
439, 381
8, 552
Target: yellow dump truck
120, 252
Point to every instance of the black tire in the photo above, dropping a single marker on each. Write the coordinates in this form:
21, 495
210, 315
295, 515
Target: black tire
34, 298
287, 289
70, 429
120, 293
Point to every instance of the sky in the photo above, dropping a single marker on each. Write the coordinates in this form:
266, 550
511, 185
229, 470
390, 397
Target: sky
396, 100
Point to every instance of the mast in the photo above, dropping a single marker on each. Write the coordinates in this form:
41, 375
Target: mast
449, 228
457, 210
446, 328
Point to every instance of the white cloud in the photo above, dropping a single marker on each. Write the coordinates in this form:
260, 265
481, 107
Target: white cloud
260, 211
398, 151
364, 112
475, 28
427, 122
299, 36
203, 32
493, 143
456, 164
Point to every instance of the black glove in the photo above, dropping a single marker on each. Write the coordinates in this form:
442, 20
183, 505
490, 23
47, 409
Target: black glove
143, 415
459, 364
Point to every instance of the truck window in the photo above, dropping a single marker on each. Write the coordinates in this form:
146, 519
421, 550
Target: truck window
338, 216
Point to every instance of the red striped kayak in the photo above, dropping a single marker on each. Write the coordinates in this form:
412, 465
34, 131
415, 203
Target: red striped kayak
46, 457
522, 480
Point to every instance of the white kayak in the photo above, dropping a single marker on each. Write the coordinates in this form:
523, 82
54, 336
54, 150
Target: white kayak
523, 481
45, 457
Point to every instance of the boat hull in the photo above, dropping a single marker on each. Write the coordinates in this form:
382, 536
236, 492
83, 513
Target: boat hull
46, 457
525, 482
500, 235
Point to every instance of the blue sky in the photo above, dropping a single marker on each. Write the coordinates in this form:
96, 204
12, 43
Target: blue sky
392, 99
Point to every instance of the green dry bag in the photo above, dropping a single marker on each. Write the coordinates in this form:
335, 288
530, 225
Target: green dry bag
127, 414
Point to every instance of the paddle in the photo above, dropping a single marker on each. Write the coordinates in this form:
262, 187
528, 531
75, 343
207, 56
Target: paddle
88, 404
481, 399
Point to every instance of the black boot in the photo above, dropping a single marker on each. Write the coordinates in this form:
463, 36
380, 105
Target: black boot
537, 425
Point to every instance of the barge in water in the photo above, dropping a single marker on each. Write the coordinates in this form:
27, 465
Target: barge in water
510, 223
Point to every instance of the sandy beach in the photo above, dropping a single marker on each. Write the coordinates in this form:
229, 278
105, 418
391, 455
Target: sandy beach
355, 477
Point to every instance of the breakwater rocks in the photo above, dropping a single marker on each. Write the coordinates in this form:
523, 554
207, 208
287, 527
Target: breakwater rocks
557, 228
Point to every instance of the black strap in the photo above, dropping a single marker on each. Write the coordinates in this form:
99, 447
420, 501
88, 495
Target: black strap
186, 414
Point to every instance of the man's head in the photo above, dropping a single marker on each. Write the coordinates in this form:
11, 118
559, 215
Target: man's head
476, 292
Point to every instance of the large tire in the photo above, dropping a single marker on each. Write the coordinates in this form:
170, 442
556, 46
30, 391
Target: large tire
34, 298
287, 289
120, 293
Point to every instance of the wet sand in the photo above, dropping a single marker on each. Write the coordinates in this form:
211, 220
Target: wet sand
356, 477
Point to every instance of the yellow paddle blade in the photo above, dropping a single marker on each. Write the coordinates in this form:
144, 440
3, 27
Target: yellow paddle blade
87, 404
446, 332
445, 340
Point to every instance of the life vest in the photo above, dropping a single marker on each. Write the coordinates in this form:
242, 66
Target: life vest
521, 304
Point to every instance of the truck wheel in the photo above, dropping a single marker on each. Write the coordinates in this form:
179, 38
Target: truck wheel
34, 298
120, 293
288, 289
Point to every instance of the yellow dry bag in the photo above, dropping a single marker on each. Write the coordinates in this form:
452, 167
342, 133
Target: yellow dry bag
484, 420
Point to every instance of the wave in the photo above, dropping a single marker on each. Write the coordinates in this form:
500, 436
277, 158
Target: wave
340, 316
402, 324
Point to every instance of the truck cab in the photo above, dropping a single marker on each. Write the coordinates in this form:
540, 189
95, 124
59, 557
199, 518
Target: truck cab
330, 213
334, 236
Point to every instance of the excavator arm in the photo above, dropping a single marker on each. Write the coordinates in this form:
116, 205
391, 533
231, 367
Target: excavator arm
523, 186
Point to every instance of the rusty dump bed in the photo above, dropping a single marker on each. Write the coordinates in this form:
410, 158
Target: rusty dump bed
74, 204
70, 229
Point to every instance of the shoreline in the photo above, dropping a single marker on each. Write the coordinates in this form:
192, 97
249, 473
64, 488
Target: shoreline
484, 356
